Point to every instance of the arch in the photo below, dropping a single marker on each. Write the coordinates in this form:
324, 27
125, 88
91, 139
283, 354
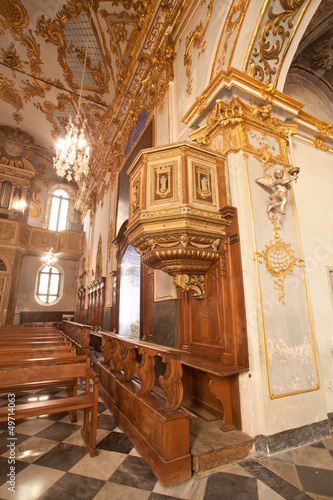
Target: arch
268, 55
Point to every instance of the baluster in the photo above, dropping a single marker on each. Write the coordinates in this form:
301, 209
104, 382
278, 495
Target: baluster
128, 362
146, 371
171, 382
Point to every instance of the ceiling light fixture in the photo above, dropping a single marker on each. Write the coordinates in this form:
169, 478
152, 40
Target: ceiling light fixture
49, 259
73, 152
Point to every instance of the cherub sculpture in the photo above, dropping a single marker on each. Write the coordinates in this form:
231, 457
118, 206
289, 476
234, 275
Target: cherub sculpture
280, 195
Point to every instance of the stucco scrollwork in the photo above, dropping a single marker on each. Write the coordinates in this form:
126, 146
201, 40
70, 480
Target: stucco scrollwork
270, 43
196, 38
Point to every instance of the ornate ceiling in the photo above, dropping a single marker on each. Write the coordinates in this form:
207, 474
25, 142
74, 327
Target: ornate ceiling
130, 48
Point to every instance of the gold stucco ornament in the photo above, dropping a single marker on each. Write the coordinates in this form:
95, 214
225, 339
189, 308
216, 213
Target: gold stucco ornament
278, 257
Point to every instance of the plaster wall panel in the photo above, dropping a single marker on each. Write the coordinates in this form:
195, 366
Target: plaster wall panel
314, 207
27, 285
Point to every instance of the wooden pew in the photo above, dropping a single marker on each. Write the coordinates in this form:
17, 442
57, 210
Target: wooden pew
69, 384
14, 353
32, 344
18, 373
79, 335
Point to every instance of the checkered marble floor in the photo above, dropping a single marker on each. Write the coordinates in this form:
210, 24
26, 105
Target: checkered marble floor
52, 463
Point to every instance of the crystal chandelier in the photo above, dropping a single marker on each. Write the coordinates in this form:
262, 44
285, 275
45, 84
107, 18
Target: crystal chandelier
73, 152
49, 259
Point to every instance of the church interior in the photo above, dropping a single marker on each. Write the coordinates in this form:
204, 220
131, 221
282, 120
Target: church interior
165, 213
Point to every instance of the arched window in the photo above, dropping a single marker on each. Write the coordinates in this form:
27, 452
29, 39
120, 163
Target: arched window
48, 284
59, 210
5, 194
129, 309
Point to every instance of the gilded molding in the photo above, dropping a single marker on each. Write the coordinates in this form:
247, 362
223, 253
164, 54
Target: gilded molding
319, 143
236, 80
55, 32
65, 104
8, 93
196, 39
249, 128
231, 29
194, 283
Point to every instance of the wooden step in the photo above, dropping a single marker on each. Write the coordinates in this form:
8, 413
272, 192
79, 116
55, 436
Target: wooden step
211, 447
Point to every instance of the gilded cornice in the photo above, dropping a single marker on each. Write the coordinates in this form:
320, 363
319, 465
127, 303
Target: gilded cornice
235, 125
234, 79
320, 133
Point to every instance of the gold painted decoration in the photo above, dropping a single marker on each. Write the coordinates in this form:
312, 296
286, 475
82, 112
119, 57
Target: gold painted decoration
144, 81
69, 32
175, 227
58, 114
15, 147
11, 58
202, 183
164, 182
35, 208
8, 93
272, 37
232, 26
194, 283
278, 258
196, 39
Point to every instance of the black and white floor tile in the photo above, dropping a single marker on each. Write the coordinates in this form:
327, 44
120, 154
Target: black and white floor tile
52, 463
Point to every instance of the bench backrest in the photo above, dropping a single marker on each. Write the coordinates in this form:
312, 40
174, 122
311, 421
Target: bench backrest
42, 370
10, 354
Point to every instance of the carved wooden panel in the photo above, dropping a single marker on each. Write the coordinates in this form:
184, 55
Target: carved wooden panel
213, 332
215, 326
96, 302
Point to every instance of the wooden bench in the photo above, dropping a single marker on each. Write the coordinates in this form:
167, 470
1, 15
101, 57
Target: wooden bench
69, 384
79, 335
19, 373
14, 353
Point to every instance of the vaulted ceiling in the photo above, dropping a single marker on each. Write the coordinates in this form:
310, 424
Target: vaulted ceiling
112, 59
119, 53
